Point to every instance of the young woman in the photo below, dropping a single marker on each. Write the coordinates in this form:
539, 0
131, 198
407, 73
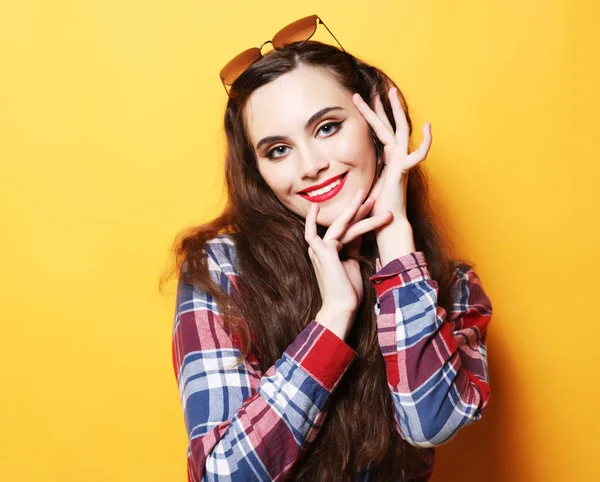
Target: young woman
323, 331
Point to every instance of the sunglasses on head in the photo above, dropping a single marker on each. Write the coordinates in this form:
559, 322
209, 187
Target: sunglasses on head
298, 31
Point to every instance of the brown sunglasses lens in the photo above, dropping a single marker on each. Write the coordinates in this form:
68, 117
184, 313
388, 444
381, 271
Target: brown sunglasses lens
298, 31
238, 64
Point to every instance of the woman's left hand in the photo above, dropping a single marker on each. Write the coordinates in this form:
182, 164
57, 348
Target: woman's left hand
389, 190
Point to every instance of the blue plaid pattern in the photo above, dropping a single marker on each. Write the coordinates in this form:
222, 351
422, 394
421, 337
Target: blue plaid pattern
243, 424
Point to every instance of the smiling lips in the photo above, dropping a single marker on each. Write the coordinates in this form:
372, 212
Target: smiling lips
325, 191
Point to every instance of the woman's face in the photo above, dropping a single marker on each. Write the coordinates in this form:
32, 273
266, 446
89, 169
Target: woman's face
298, 152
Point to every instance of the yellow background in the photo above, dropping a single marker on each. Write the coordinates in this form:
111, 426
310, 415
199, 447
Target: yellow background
111, 142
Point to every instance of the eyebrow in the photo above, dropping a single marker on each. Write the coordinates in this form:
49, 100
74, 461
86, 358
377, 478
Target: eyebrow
313, 118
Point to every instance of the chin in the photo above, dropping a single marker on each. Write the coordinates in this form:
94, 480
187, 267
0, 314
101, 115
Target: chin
328, 216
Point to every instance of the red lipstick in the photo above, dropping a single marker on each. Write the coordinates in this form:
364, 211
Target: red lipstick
329, 194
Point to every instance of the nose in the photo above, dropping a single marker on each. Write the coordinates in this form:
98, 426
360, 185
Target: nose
313, 164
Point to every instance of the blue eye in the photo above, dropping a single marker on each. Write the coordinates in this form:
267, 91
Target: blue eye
270, 155
335, 125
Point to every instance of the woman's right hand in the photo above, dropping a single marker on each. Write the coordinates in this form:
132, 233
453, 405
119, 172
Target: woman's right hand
340, 282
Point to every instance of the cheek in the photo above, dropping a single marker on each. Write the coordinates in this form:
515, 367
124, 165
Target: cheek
348, 149
277, 179
357, 147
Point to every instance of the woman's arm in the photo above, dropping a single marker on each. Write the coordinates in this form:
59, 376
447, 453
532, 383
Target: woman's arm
436, 361
243, 424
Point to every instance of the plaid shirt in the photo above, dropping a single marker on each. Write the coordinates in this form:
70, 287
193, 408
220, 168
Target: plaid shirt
243, 424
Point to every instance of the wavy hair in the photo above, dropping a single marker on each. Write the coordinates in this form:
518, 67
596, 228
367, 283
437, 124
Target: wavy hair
277, 292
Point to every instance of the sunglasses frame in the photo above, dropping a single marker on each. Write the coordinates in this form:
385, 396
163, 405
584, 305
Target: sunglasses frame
259, 49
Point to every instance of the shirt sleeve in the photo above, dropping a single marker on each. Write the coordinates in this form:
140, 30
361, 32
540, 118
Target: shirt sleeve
242, 424
436, 361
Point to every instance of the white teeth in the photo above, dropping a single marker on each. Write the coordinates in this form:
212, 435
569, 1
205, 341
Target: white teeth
325, 189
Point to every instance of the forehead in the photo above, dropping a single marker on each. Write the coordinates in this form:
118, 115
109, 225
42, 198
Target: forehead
282, 106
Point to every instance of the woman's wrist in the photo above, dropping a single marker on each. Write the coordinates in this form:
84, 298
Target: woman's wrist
337, 320
395, 240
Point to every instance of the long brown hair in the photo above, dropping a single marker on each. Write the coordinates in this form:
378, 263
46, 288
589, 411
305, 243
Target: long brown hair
277, 293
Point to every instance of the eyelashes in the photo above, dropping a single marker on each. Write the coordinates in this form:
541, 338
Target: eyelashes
335, 125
